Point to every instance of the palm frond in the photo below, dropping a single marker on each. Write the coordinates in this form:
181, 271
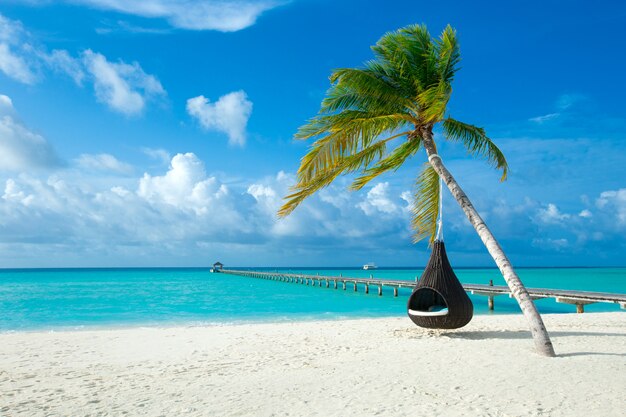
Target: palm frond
449, 55
433, 102
422, 50
346, 133
393, 161
323, 177
476, 142
426, 207
362, 89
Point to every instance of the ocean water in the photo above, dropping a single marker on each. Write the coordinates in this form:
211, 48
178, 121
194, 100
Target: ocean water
57, 299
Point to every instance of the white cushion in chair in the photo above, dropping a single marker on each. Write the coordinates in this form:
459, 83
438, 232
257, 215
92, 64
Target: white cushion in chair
434, 313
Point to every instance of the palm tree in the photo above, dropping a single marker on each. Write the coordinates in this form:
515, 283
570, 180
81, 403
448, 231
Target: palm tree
400, 97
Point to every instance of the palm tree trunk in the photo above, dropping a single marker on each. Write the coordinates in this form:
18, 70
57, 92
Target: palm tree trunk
537, 328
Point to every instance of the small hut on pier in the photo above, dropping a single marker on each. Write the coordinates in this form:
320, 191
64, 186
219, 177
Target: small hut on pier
217, 267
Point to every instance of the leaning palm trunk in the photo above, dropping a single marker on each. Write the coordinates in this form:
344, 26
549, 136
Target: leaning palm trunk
537, 328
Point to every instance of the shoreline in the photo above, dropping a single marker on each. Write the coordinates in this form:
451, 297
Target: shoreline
358, 366
165, 325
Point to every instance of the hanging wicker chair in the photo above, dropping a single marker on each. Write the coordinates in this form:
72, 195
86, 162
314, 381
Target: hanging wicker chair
439, 300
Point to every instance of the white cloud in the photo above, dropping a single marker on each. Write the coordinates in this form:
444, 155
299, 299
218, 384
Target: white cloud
20, 148
544, 118
260, 192
613, 203
553, 244
6, 105
184, 186
229, 114
551, 215
564, 106
175, 211
159, 154
103, 162
14, 66
15, 50
122, 26
378, 201
586, 214
183, 212
12, 192
123, 87
61, 61
224, 16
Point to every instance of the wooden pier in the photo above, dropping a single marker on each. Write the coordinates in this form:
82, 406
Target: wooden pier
577, 298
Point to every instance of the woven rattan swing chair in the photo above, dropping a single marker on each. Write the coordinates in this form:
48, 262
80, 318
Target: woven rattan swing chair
438, 300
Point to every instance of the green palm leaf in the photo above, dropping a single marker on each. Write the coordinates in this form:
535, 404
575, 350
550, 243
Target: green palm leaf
476, 142
393, 161
323, 178
426, 207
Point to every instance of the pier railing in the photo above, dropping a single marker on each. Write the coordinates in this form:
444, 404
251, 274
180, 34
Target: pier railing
577, 298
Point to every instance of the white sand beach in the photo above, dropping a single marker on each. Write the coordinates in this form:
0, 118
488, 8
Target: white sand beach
362, 367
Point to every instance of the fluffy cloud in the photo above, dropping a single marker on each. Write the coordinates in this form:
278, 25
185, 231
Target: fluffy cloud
229, 114
123, 87
183, 215
224, 16
104, 163
181, 211
613, 202
378, 201
61, 61
185, 186
20, 148
551, 215
15, 55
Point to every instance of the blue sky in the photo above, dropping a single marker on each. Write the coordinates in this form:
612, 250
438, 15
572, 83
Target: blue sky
159, 133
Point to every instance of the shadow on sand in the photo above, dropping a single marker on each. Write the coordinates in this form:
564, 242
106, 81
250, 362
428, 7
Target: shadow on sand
520, 334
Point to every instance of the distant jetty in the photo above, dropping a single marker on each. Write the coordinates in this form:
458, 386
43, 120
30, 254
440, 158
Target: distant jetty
577, 298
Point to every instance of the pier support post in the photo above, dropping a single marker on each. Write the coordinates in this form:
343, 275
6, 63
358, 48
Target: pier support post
579, 303
367, 288
344, 285
354, 286
380, 289
327, 284
490, 298
395, 291
335, 284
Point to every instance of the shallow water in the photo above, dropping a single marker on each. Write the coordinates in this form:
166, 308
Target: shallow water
57, 299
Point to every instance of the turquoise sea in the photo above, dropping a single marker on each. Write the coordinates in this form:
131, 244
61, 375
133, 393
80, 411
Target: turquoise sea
56, 299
